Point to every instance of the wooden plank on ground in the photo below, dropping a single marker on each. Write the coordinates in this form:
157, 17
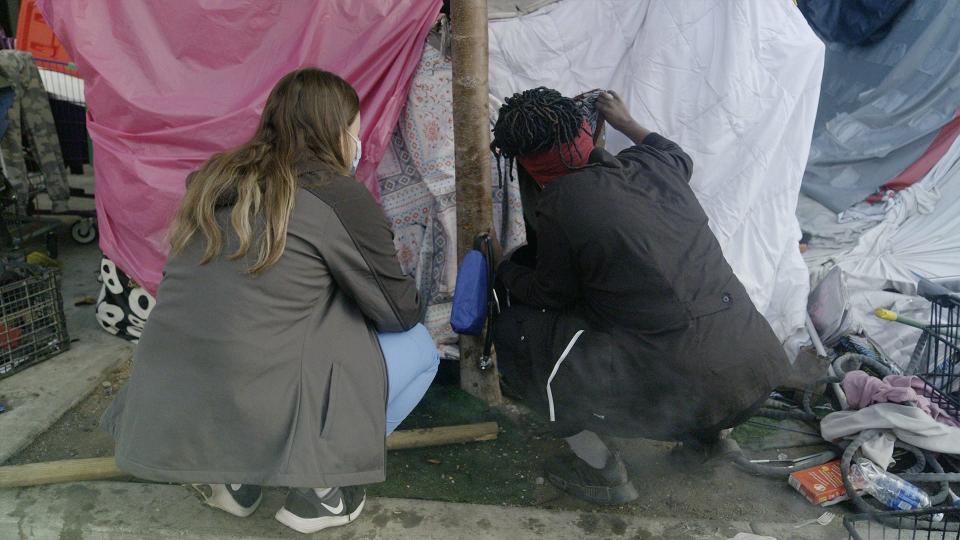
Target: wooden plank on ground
81, 470
439, 436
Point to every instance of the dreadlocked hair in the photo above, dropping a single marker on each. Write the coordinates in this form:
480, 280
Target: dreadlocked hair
532, 122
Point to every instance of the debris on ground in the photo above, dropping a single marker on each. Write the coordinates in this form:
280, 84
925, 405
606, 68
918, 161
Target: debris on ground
507, 471
821, 485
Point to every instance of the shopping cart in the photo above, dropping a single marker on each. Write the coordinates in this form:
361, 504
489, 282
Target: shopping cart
928, 524
936, 357
16, 228
937, 354
65, 90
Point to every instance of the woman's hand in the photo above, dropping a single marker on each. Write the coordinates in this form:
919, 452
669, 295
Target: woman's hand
615, 112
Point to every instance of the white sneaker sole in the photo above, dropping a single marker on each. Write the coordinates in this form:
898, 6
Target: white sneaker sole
221, 498
307, 526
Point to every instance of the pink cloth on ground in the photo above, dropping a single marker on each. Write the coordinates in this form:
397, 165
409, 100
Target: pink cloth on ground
863, 390
168, 84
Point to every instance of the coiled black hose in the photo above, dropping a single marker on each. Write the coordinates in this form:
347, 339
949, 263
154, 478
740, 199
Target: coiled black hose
806, 413
879, 367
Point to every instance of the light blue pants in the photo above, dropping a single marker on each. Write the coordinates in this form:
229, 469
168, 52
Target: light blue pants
412, 361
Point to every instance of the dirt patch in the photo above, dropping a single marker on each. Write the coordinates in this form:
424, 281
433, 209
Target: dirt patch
77, 434
507, 471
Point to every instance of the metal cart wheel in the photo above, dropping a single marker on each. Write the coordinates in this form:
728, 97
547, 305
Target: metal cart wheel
84, 231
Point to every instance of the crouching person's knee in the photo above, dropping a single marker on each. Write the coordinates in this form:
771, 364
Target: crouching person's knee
427, 356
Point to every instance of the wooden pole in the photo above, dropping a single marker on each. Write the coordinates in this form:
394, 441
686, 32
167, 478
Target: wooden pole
471, 133
82, 470
59, 472
439, 436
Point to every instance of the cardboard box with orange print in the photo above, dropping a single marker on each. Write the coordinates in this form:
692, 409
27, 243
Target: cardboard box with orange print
821, 485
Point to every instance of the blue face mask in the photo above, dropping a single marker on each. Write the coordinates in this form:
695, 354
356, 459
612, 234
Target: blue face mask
356, 154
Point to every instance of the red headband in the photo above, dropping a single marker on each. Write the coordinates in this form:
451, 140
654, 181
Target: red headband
546, 167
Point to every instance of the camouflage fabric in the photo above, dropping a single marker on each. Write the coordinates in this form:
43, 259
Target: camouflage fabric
30, 115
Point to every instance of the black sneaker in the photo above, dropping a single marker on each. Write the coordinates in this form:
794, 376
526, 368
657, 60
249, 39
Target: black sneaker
240, 500
609, 485
305, 512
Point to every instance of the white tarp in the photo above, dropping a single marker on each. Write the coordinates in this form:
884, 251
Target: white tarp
828, 233
504, 9
735, 83
918, 235
840, 306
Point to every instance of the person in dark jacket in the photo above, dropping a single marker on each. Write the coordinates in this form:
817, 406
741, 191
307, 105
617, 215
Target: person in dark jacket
285, 344
628, 321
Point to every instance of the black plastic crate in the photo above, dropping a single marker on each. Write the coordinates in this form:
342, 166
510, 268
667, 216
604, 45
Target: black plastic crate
915, 524
32, 324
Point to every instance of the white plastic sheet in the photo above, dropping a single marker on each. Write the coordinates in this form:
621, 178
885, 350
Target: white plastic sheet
918, 235
841, 306
735, 83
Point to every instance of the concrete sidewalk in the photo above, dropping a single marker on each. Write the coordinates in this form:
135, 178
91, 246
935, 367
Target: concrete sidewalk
40, 395
119, 510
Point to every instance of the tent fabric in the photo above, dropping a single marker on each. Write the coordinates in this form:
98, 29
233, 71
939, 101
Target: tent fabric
880, 257
416, 180
843, 305
852, 22
882, 105
735, 83
917, 235
166, 88
827, 233
919, 168
505, 9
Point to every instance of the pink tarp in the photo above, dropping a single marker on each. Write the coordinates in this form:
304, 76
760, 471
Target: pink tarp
169, 84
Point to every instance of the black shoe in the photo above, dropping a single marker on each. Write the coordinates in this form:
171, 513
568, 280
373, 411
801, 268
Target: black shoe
237, 499
609, 485
305, 512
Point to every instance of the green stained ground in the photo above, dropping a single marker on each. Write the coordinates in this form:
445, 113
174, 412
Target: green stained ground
492, 472
508, 470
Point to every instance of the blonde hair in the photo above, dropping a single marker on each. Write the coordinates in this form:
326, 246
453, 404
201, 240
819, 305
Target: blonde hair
306, 116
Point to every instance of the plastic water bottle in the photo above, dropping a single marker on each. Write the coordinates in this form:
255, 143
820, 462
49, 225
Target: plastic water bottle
888, 488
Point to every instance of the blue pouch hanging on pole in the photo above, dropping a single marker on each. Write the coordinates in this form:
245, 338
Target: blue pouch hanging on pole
471, 296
